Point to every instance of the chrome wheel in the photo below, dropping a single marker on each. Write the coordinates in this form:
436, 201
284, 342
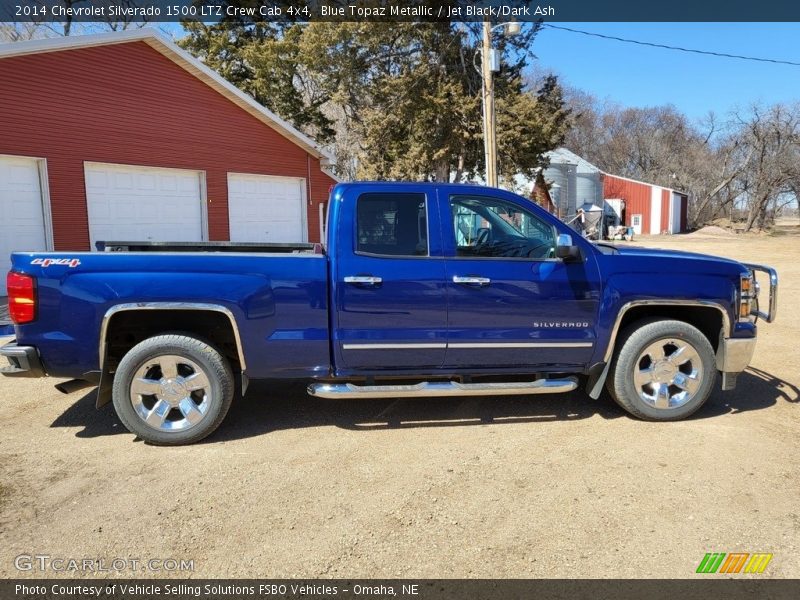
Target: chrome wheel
170, 393
668, 373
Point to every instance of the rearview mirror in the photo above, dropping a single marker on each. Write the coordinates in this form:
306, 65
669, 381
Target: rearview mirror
565, 249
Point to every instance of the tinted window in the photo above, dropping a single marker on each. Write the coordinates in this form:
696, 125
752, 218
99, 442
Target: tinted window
489, 227
392, 224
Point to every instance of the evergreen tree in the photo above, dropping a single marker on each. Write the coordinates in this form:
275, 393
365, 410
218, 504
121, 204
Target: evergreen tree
263, 59
403, 98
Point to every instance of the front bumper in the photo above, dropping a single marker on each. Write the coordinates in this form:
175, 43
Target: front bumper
733, 357
23, 361
734, 354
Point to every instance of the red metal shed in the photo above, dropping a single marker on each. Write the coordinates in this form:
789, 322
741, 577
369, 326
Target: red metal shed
648, 208
125, 135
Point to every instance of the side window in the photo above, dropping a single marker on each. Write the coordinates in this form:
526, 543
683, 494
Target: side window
494, 228
392, 224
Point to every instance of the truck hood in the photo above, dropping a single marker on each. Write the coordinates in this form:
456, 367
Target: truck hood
671, 260
675, 254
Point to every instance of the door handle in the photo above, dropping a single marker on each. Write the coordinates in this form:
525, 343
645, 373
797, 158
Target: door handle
363, 279
472, 280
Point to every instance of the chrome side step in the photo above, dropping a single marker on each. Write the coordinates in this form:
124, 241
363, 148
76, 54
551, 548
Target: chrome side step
347, 391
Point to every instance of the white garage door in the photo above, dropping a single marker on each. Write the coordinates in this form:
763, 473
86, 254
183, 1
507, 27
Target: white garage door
22, 223
263, 208
144, 204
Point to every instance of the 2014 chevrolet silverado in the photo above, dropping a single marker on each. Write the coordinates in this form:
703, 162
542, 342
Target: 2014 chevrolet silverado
420, 290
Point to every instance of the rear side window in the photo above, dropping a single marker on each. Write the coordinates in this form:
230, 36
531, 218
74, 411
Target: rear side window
392, 224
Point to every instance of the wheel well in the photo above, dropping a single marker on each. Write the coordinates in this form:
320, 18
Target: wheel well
127, 328
706, 318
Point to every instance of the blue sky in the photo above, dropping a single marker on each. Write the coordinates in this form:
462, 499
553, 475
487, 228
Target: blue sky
634, 75
642, 76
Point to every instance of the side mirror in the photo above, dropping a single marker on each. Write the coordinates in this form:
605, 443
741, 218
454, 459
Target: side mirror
565, 249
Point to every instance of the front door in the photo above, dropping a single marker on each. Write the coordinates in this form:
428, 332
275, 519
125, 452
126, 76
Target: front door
511, 302
389, 284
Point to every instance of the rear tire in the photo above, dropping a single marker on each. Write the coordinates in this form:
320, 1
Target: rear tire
663, 370
172, 389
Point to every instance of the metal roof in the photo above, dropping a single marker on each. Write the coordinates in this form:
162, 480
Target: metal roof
564, 156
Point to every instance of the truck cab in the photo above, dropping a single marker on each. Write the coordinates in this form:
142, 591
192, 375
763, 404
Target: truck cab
458, 278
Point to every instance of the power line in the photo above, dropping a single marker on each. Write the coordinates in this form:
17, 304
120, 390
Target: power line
666, 47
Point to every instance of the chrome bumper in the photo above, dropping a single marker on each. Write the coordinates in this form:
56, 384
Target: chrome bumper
772, 274
734, 354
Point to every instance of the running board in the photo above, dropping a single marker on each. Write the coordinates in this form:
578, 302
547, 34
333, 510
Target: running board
348, 391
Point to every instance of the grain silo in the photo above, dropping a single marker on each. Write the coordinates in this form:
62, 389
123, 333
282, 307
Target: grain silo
574, 181
560, 176
589, 187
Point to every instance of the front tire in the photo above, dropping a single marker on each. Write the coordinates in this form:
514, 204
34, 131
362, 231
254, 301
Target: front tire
664, 370
172, 389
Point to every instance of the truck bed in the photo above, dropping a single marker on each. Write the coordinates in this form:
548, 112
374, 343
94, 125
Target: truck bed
279, 301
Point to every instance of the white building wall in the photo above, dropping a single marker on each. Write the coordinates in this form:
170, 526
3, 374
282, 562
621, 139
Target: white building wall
655, 210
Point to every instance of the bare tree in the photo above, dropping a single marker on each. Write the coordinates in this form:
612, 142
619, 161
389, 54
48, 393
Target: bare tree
39, 27
750, 159
773, 169
19, 32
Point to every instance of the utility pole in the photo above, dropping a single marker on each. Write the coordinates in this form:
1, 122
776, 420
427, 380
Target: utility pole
490, 147
488, 105
490, 63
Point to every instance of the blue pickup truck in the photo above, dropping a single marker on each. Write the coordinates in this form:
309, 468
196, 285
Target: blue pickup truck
420, 289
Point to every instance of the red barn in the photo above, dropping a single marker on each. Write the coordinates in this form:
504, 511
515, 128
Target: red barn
648, 208
126, 136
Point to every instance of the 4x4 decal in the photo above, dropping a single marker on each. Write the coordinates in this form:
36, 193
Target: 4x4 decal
46, 262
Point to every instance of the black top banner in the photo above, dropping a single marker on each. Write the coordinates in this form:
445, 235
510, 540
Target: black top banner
211, 11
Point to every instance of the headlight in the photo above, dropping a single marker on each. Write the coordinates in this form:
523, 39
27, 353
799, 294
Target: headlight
748, 291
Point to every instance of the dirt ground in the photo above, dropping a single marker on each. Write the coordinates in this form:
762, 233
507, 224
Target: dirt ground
545, 486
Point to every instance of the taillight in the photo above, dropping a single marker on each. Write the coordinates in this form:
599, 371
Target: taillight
21, 297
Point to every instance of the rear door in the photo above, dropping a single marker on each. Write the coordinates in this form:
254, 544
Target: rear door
511, 302
389, 280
